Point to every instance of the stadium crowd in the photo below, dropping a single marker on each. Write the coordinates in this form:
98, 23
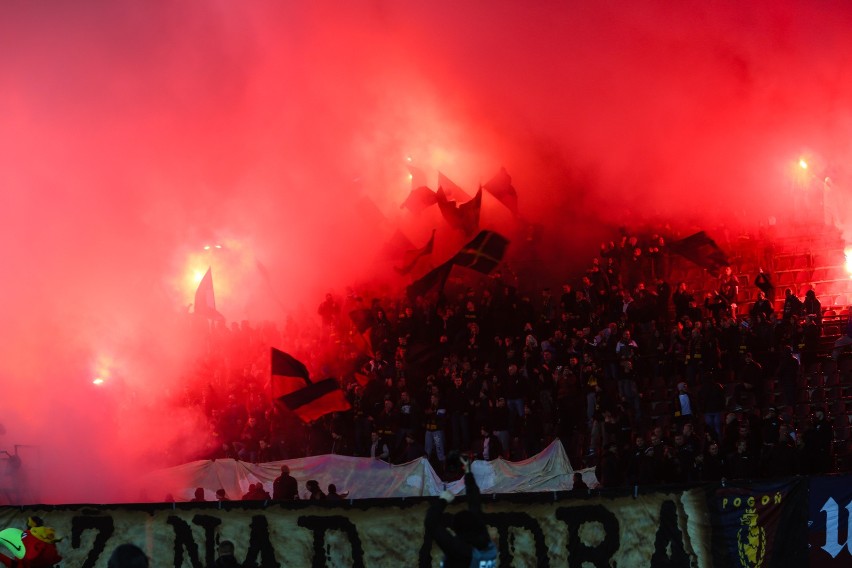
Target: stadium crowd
489, 369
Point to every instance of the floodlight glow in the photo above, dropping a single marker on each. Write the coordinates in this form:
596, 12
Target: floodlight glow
848, 253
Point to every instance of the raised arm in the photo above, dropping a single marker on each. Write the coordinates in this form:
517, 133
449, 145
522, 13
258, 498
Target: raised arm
451, 545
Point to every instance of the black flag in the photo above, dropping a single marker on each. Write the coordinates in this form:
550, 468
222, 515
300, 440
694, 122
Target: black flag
482, 254
703, 251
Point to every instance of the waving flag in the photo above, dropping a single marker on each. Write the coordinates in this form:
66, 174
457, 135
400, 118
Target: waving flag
500, 186
292, 385
451, 190
482, 254
205, 299
702, 250
464, 217
414, 255
419, 199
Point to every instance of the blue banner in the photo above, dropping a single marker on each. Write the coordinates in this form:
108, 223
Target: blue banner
830, 521
759, 524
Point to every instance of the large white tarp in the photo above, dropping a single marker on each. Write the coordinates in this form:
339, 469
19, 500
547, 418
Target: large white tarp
364, 478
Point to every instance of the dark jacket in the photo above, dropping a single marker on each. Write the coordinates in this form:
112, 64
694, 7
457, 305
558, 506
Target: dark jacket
459, 549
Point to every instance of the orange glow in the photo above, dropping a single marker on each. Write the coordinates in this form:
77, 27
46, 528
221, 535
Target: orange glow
803, 164
102, 369
848, 253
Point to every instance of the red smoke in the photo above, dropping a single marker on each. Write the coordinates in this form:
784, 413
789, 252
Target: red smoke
134, 134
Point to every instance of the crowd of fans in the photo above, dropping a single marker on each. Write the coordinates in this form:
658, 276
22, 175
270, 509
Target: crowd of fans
492, 370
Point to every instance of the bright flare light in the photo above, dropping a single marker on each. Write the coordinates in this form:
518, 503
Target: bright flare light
102, 369
803, 164
848, 252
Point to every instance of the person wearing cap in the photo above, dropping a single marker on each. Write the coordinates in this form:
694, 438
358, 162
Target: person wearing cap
471, 544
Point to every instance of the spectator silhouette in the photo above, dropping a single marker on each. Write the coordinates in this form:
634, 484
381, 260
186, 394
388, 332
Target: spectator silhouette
127, 556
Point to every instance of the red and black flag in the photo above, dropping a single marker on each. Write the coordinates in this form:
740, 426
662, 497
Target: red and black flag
363, 319
205, 299
500, 186
483, 254
703, 251
464, 217
291, 384
412, 256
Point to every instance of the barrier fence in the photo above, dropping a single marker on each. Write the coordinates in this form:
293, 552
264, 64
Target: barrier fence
791, 522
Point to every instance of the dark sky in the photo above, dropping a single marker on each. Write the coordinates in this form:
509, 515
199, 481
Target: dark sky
135, 133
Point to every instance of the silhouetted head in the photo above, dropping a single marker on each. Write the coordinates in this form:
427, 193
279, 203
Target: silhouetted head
468, 528
127, 556
226, 548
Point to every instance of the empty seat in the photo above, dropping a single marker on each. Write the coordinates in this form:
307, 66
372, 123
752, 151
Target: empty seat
803, 276
801, 261
787, 278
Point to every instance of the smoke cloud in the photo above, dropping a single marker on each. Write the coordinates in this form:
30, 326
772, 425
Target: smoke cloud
135, 134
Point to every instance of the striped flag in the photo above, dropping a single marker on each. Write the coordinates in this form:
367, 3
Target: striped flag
291, 384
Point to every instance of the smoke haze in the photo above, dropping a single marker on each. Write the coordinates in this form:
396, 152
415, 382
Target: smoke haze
135, 134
